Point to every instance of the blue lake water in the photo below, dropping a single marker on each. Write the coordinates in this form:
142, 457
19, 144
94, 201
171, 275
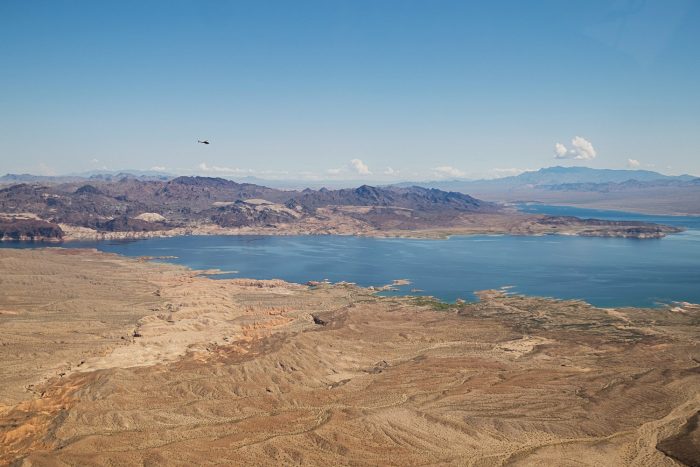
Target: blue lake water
688, 222
602, 271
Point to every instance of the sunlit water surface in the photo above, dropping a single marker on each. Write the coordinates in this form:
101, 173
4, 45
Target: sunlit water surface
602, 271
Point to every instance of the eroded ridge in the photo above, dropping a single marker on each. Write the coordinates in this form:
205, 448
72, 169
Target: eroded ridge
175, 368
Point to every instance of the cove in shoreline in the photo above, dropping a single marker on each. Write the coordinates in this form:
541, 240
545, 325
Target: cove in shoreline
609, 272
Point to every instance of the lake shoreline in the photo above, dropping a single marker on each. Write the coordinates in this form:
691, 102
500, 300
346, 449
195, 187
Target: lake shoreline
610, 272
120, 336
483, 224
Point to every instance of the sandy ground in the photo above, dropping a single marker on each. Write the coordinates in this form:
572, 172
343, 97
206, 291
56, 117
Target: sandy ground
114, 361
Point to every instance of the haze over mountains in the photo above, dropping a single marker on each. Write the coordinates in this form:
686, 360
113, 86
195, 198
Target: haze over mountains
545, 176
642, 191
560, 175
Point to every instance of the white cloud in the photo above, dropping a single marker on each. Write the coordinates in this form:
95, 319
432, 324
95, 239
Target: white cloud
158, 168
633, 163
445, 171
581, 149
355, 165
389, 171
584, 149
214, 168
360, 167
270, 172
43, 169
560, 150
498, 173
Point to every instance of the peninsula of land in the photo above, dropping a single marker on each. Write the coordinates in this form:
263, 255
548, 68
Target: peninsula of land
130, 207
107, 360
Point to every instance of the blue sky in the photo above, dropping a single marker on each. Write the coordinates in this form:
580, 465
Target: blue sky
376, 90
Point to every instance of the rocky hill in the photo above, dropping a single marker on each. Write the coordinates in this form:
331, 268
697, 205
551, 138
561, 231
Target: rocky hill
29, 230
133, 207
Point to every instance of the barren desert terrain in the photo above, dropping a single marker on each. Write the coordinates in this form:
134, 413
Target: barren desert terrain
115, 361
131, 208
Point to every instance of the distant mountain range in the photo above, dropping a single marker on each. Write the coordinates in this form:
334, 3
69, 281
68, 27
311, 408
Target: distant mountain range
96, 175
128, 206
642, 191
145, 175
554, 176
607, 187
557, 175
551, 176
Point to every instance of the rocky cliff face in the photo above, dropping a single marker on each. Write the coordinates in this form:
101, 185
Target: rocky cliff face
412, 198
29, 230
241, 214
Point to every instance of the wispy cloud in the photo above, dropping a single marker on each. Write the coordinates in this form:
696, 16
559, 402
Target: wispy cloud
507, 172
581, 149
446, 171
204, 167
44, 169
97, 165
633, 163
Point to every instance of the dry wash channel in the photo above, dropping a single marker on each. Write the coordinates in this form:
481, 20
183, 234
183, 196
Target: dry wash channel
113, 361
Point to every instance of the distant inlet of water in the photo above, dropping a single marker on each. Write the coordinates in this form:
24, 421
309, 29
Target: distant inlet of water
686, 222
609, 272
